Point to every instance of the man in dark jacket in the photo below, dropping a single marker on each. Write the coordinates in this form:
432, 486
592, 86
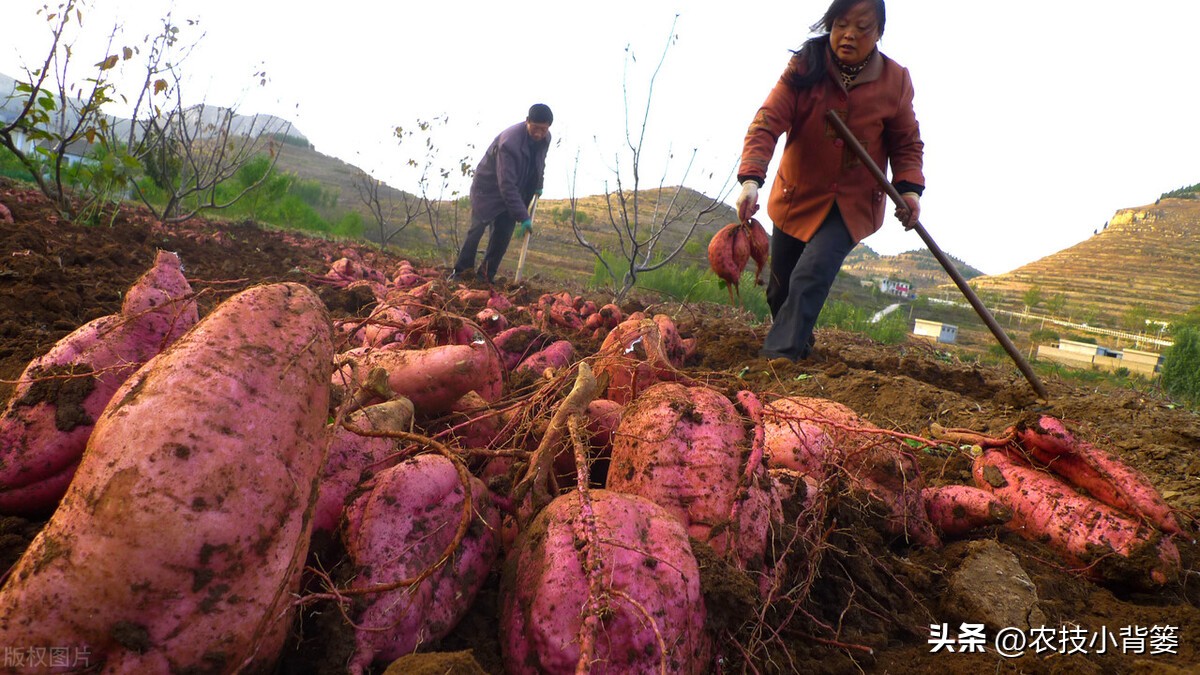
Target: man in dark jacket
506, 179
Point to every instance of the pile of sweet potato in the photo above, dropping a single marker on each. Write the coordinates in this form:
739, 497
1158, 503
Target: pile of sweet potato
443, 433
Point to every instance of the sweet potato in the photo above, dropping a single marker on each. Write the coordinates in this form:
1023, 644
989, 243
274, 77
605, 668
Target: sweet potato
760, 248
878, 467
491, 321
385, 326
1100, 473
518, 342
556, 355
351, 456
633, 357
796, 443
956, 510
728, 253
646, 560
1104, 542
179, 545
433, 379
603, 417
59, 395
400, 527
685, 449
499, 302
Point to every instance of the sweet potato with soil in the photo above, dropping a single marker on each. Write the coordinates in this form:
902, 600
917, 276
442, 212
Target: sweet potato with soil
518, 342
401, 526
686, 449
351, 456
633, 357
760, 248
556, 355
475, 425
386, 325
491, 321
1100, 473
728, 253
59, 396
1107, 544
797, 444
878, 466
603, 417
180, 543
433, 379
956, 510
647, 559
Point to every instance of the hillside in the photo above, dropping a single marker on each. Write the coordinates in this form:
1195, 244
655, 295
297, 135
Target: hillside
918, 267
554, 252
1143, 260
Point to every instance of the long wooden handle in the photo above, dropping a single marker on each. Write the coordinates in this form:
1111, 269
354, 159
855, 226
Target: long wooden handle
942, 258
525, 242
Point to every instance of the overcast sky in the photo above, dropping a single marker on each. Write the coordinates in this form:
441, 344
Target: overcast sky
1040, 118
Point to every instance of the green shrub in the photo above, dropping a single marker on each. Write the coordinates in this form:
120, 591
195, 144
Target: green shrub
891, 329
688, 283
1181, 366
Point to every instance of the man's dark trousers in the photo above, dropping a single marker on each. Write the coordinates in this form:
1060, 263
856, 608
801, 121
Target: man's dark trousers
501, 233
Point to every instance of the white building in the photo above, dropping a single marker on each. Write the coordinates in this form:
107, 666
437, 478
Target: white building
940, 332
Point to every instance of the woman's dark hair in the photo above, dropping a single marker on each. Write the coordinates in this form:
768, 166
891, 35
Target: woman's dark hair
809, 62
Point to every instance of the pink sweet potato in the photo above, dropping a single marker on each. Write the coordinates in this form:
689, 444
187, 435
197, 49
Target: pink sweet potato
603, 418
433, 379
760, 248
796, 443
59, 396
491, 321
555, 356
956, 510
878, 467
686, 449
633, 357
518, 342
385, 326
1103, 541
728, 253
353, 456
1102, 474
475, 425
647, 560
180, 543
400, 527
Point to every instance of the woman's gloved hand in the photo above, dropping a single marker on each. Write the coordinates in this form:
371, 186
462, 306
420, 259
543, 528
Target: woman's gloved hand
910, 216
747, 201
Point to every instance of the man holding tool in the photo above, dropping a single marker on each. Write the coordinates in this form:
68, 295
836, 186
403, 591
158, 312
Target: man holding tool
506, 180
824, 200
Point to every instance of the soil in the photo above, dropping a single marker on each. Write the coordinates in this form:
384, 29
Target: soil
874, 598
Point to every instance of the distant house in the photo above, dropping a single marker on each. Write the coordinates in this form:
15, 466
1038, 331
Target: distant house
20, 139
936, 330
893, 287
1088, 355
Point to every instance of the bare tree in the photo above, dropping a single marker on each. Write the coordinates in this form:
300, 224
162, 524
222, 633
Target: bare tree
59, 121
651, 226
186, 152
390, 217
435, 180
189, 151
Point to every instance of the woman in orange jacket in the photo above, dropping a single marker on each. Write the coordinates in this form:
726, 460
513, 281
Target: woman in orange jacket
824, 200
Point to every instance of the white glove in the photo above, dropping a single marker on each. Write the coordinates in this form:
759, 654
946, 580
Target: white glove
747, 201
910, 218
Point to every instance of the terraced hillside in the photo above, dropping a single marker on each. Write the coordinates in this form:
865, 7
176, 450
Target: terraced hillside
1145, 258
919, 267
